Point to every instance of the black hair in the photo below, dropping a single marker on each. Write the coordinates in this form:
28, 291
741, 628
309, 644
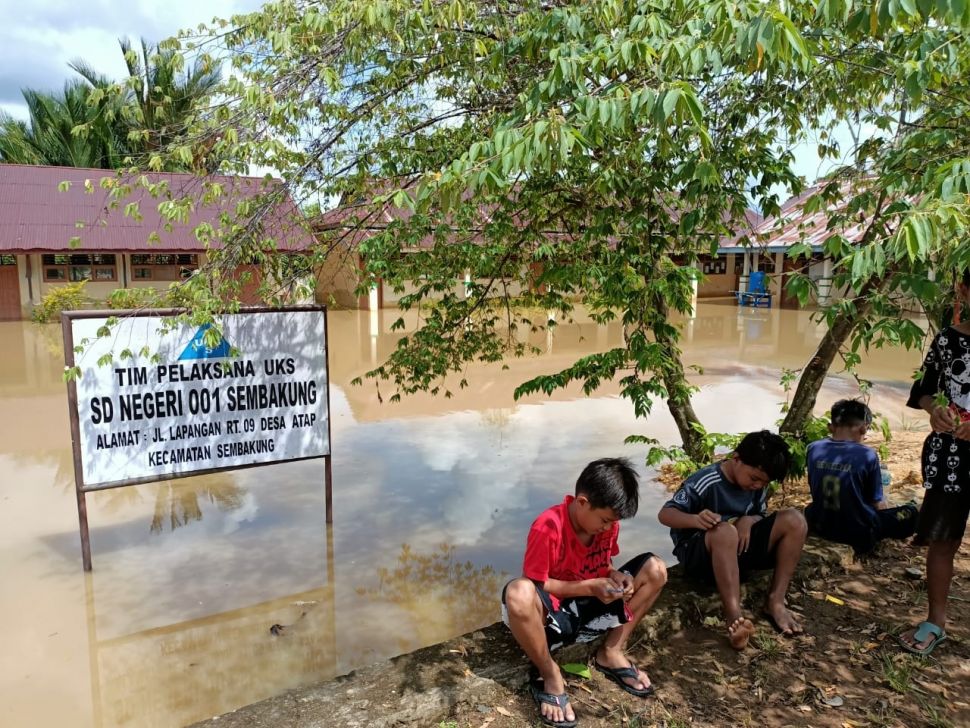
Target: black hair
611, 483
850, 413
966, 277
766, 451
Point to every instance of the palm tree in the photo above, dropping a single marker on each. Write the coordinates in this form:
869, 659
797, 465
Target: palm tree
91, 124
163, 93
71, 129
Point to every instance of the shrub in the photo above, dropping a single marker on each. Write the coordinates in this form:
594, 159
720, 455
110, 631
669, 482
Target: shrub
135, 298
69, 297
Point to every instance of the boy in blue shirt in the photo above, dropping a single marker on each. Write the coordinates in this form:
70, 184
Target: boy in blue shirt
848, 505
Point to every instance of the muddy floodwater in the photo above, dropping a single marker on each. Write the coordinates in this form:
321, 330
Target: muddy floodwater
212, 592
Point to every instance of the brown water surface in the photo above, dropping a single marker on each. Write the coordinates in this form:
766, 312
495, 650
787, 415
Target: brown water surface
213, 592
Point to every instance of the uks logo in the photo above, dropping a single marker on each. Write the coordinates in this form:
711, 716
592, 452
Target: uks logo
198, 349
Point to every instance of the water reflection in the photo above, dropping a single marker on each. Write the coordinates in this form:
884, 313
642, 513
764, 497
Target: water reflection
177, 501
174, 625
164, 675
433, 593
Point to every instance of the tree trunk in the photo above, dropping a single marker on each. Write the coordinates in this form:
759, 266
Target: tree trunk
814, 373
678, 392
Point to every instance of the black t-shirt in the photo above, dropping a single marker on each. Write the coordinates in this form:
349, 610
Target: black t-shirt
946, 369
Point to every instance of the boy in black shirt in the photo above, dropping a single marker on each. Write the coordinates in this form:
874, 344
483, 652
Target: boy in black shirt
719, 524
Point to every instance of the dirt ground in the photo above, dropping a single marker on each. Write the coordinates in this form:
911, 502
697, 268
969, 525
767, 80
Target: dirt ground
845, 672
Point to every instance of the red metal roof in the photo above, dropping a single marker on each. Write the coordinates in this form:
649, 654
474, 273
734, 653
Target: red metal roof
35, 216
794, 225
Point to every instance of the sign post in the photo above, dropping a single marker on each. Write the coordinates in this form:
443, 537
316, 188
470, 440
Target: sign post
170, 400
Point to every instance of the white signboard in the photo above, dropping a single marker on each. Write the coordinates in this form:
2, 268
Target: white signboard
256, 395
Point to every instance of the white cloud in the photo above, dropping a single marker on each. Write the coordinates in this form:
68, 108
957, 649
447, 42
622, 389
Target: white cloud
48, 34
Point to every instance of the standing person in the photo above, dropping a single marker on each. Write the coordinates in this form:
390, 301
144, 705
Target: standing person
570, 592
942, 389
721, 529
848, 504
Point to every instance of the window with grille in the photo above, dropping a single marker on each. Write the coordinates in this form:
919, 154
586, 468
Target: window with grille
73, 267
163, 267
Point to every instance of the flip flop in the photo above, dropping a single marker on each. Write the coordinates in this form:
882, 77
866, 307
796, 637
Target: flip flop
924, 630
560, 701
616, 674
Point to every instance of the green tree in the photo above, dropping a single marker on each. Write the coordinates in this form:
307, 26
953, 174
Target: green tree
100, 123
159, 92
69, 129
581, 153
902, 70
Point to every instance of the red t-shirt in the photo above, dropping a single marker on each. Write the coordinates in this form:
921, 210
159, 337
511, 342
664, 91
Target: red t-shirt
554, 551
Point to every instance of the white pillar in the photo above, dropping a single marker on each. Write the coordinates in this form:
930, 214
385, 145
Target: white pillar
372, 299
825, 283
695, 277
468, 281
779, 270
745, 272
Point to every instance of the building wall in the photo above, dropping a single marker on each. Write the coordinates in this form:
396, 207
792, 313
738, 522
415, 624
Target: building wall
717, 283
336, 281
33, 287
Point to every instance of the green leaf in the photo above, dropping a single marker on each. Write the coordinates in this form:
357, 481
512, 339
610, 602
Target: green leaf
671, 97
574, 668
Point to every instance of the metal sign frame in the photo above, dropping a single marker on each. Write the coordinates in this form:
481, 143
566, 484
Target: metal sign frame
72, 404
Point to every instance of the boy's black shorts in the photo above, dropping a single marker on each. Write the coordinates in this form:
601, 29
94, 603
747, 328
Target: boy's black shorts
582, 619
946, 503
696, 559
896, 523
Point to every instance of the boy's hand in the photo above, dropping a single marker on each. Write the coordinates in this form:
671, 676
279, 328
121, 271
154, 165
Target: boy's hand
606, 590
962, 431
706, 520
744, 524
942, 419
625, 581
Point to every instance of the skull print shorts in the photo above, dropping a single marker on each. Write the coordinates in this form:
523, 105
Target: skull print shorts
946, 500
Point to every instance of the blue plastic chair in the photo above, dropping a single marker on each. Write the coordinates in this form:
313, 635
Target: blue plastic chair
757, 293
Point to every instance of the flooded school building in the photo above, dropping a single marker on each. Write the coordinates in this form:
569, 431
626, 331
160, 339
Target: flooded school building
38, 221
43, 208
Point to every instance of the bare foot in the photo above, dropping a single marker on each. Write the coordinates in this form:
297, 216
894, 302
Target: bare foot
555, 686
782, 619
739, 632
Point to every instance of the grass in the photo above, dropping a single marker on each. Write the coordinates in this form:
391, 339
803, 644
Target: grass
769, 646
882, 716
934, 715
897, 672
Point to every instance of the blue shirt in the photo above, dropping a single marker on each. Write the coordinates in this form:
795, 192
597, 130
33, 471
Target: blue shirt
708, 489
845, 481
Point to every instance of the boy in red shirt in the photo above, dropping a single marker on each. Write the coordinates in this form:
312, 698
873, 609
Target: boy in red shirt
570, 592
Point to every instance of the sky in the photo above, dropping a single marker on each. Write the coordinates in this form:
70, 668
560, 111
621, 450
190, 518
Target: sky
38, 38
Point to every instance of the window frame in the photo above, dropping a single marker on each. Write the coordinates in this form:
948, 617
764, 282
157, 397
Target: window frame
67, 267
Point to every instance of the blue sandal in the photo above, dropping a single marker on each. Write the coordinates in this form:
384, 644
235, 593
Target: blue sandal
560, 701
924, 631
